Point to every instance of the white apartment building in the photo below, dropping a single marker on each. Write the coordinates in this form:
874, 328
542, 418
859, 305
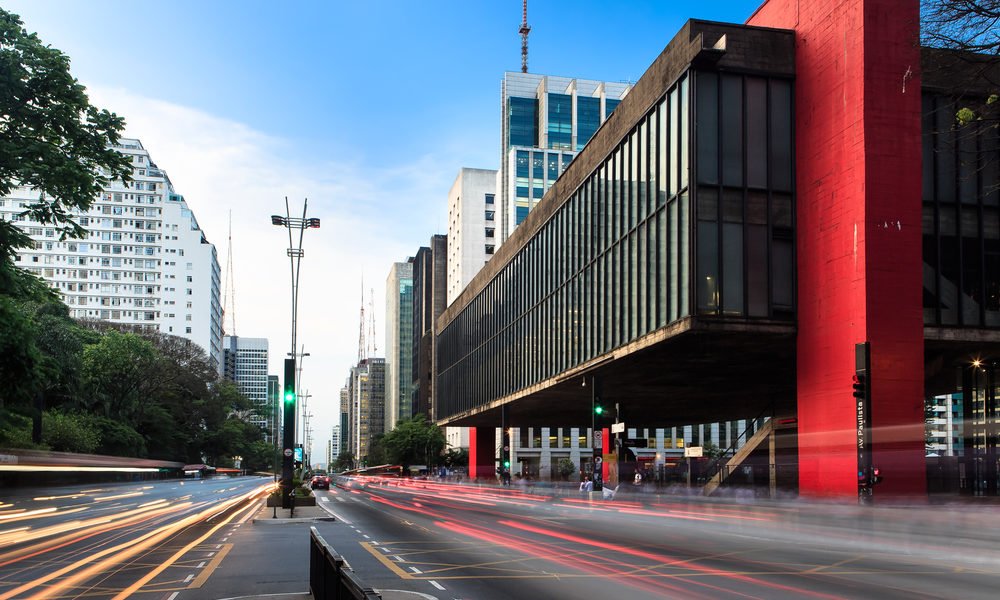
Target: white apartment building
144, 261
245, 363
473, 226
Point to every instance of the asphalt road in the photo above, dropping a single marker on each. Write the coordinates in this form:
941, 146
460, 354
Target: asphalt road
210, 540
468, 542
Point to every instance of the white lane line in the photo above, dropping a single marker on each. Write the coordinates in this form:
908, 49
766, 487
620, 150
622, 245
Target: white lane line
324, 499
384, 549
189, 578
172, 596
201, 565
397, 558
367, 537
436, 584
211, 554
218, 547
339, 499
415, 570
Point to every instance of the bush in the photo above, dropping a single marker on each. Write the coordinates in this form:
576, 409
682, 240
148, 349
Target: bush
69, 432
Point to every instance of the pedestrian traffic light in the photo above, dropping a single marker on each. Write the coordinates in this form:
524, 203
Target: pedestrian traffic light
860, 386
506, 463
598, 410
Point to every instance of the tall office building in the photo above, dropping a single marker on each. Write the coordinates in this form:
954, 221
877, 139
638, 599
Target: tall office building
245, 363
367, 398
398, 343
144, 261
333, 447
473, 226
430, 268
274, 429
545, 121
345, 418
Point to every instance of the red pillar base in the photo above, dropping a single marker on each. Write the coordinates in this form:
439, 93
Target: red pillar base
482, 453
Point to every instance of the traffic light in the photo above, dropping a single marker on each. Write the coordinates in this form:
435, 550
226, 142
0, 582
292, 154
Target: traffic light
289, 394
506, 463
598, 410
876, 475
860, 386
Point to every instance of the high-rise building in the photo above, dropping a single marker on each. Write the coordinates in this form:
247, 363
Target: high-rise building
333, 448
345, 418
367, 397
430, 268
144, 261
473, 226
545, 121
273, 398
245, 363
398, 343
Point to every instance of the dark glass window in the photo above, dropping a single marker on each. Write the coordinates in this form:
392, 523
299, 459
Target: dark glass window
489, 215
522, 115
520, 214
707, 127
490, 198
610, 104
588, 119
732, 129
560, 128
521, 163
552, 167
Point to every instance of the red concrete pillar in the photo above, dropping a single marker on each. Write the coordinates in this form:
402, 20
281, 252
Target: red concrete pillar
482, 453
858, 229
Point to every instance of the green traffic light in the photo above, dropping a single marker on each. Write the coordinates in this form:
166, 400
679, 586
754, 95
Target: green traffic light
506, 463
289, 396
599, 409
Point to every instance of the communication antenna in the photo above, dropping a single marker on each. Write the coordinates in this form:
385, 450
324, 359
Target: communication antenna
371, 316
524, 31
362, 349
229, 294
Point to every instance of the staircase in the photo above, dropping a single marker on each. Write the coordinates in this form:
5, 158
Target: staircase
758, 438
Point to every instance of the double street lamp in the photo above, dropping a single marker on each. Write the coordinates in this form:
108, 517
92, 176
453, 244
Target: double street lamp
295, 254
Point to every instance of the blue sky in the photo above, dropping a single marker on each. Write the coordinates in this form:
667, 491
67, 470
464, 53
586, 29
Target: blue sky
369, 109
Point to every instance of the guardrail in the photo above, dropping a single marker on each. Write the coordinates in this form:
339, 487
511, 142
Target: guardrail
329, 577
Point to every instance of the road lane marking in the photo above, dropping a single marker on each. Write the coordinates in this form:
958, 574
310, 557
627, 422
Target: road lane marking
415, 570
212, 566
201, 565
189, 578
367, 537
386, 562
324, 499
397, 558
437, 585
172, 596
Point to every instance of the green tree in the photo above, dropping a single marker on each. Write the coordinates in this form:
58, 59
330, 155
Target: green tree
456, 457
69, 432
117, 371
51, 139
414, 441
343, 462
565, 468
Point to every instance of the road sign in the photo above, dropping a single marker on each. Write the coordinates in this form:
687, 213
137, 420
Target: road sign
618, 428
598, 438
288, 451
693, 451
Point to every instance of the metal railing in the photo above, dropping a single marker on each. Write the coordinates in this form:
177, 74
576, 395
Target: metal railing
329, 577
720, 463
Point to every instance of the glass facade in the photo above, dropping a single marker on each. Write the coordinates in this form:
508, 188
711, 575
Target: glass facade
560, 117
614, 262
609, 106
961, 218
522, 117
588, 119
744, 209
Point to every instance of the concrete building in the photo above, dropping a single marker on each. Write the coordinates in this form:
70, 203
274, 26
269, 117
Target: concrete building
245, 364
430, 268
473, 226
545, 121
333, 447
345, 418
398, 343
144, 262
367, 398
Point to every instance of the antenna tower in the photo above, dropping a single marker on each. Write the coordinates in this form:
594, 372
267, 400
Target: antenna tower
229, 294
524, 31
362, 348
371, 328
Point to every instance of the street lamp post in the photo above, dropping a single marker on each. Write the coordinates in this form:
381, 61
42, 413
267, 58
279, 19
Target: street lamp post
295, 254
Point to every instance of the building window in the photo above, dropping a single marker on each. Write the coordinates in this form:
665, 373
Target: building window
490, 232
490, 198
490, 214
489, 248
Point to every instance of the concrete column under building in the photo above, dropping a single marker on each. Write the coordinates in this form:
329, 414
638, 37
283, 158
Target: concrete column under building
482, 453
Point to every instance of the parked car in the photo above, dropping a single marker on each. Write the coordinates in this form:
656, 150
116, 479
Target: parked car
320, 481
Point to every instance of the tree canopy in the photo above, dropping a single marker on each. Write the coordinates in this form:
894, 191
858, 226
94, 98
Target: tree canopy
414, 441
51, 139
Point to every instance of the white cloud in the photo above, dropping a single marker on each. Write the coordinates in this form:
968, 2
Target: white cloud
371, 217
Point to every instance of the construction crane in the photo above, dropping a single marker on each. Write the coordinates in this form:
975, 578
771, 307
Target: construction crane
524, 31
